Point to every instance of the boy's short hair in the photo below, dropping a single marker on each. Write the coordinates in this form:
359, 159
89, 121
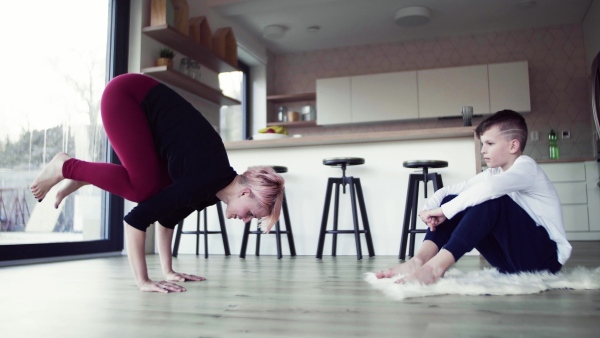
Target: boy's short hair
510, 123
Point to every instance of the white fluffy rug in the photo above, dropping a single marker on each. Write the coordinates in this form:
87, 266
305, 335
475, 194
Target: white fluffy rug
489, 282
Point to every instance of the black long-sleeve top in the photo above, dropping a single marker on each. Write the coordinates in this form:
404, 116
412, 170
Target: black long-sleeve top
195, 155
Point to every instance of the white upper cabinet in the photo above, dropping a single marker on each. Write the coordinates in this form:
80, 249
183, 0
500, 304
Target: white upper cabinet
384, 97
444, 91
509, 86
430, 93
333, 101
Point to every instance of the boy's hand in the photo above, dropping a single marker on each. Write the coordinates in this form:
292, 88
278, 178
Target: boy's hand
432, 218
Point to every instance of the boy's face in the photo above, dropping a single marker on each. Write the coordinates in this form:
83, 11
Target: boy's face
498, 150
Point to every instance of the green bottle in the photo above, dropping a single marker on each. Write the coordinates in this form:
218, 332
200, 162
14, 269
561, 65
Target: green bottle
553, 147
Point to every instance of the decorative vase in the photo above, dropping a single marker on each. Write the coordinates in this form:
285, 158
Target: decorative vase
164, 62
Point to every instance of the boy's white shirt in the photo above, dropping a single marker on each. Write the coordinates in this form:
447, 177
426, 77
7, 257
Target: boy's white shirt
525, 182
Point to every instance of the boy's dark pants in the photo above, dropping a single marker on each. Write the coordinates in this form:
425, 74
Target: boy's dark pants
502, 232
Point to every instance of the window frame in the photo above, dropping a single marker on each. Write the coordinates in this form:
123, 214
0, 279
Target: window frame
112, 205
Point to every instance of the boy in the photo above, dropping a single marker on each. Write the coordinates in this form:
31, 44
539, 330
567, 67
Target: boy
510, 212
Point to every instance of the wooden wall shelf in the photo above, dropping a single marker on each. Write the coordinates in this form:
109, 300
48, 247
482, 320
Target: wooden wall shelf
292, 97
177, 79
293, 124
187, 46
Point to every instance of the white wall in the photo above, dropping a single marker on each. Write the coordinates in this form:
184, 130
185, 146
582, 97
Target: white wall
591, 31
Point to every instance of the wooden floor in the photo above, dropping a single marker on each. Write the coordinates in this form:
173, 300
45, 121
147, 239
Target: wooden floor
267, 297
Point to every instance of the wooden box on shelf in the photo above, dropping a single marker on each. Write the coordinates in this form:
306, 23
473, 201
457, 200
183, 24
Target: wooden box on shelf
225, 45
200, 31
162, 10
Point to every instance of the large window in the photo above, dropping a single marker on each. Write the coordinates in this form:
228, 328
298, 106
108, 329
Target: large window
59, 62
233, 120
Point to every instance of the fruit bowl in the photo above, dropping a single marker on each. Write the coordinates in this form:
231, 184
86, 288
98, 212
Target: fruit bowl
268, 136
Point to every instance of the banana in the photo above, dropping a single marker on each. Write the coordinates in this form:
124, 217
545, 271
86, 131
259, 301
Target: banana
275, 129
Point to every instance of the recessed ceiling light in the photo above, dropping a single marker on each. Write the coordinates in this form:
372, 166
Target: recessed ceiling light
313, 29
273, 32
412, 16
526, 3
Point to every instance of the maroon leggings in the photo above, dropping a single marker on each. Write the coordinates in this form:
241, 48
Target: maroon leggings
142, 173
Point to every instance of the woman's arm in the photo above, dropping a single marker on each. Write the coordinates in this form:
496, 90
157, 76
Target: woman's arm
165, 237
135, 240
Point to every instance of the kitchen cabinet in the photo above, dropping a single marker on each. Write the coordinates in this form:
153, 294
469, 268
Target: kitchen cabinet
384, 97
576, 185
367, 98
443, 91
509, 86
334, 101
182, 44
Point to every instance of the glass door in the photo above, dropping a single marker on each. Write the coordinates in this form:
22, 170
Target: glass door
61, 55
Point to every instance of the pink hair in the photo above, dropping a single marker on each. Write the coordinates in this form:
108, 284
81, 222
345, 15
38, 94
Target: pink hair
268, 187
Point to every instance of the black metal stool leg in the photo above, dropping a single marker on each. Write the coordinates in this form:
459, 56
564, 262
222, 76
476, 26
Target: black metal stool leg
223, 229
257, 249
205, 233
355, 218
177, 238
323, 229
245, 240
413, 216
197, 232
406, 224
336, 209
278, 239
288, 227
365, 219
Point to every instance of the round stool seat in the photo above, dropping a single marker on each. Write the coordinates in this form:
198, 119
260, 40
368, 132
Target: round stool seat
339, 161
425, 164
278, 168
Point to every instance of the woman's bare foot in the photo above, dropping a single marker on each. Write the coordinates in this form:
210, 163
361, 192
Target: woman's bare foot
404, 268
70, 187
49, 176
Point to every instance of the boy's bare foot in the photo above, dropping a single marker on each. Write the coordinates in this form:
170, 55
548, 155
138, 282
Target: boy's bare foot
49, 176
433, 270
404, 268
68, 188
423, 275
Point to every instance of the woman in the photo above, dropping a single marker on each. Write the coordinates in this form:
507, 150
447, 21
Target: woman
173, 162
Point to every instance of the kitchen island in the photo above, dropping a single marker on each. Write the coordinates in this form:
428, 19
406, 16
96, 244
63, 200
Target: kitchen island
383, 178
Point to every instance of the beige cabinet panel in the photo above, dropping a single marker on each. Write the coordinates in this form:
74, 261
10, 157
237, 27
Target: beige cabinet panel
333, 101
571, 192
384, 97
564, 172
442, 92
575, 217
509, 86
576, 185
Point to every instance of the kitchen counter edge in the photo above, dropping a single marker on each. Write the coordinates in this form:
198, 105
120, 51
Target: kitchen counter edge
382, 136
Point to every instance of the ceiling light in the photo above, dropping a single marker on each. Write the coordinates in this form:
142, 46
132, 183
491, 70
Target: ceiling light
273, 32
412, 16
526, 3
313, 29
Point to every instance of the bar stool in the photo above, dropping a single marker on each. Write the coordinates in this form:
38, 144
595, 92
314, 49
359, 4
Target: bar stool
204, 232
409, 228
355, 193
258, 232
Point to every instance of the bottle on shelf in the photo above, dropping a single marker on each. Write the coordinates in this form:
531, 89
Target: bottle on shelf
553, 146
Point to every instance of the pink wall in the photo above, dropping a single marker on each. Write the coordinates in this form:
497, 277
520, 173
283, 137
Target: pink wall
557, 74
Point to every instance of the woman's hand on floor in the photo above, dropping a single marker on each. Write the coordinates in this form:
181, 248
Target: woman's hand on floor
182, 277
162, 287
